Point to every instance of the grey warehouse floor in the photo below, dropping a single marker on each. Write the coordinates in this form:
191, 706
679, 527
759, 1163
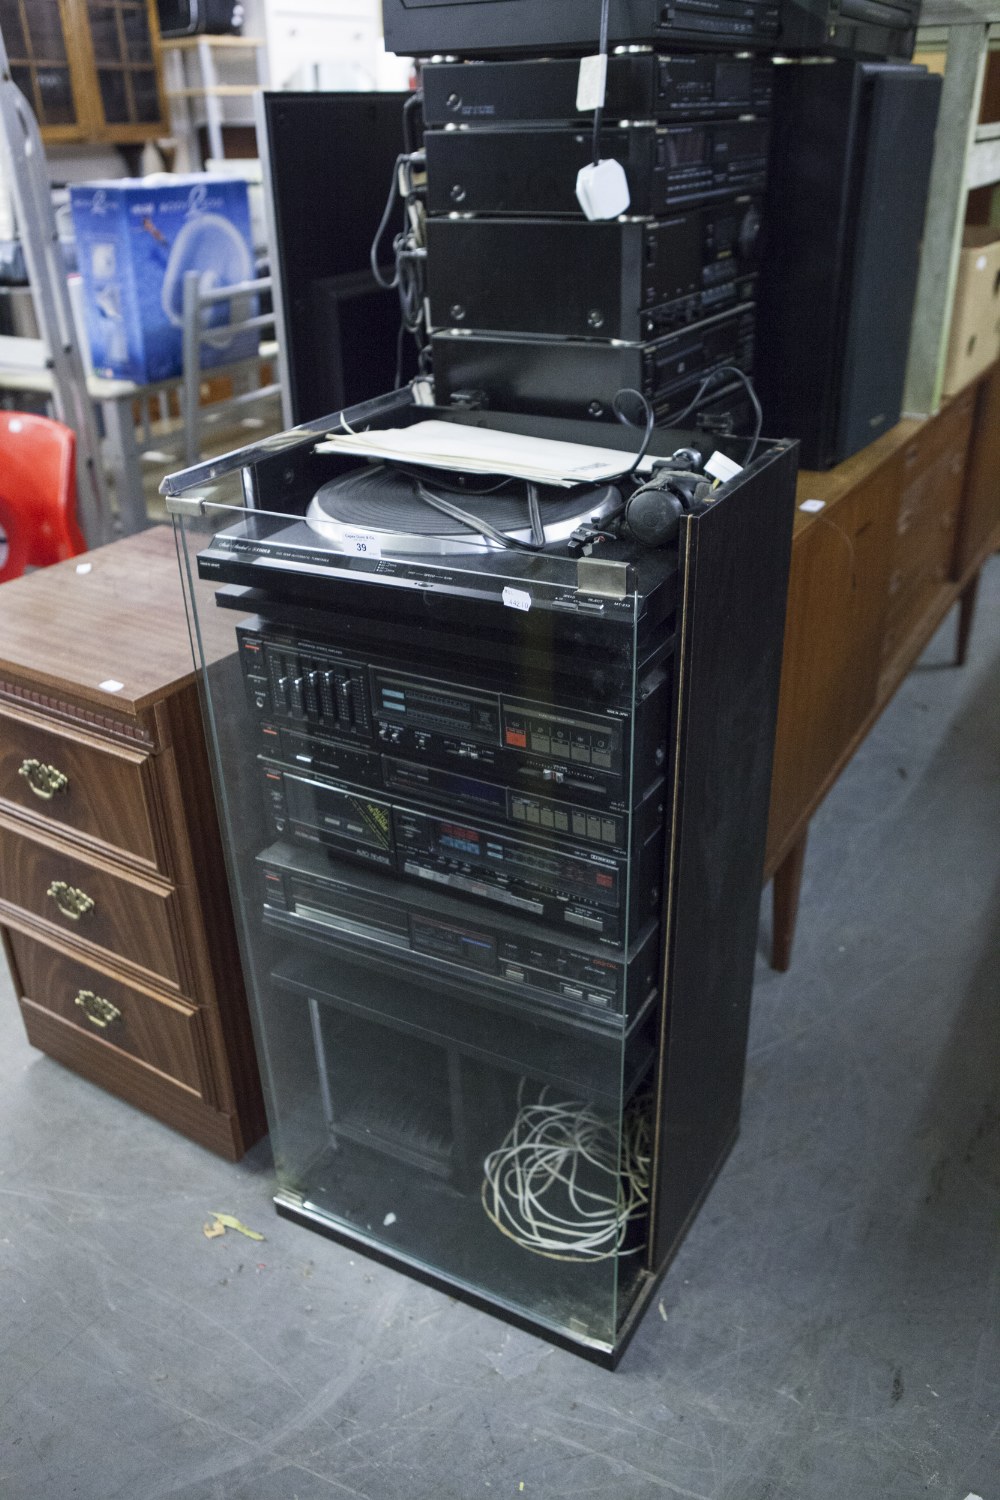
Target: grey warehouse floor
829, 1330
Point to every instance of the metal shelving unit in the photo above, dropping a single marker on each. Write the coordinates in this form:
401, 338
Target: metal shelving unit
192, 67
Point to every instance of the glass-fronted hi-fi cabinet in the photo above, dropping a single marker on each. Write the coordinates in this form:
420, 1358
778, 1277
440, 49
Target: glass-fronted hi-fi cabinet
494, 818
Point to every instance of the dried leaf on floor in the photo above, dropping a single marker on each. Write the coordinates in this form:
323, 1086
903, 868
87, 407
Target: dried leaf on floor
227, 1221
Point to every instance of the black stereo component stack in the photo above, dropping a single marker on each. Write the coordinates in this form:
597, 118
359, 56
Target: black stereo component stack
537, 304
535, 308
496, 821
512, 28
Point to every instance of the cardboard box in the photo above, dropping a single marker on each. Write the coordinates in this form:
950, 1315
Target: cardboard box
136, 239
974, 341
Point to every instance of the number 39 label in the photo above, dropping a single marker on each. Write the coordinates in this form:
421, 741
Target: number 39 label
361, 544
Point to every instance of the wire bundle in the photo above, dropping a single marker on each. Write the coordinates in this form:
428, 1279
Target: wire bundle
408, 250
562, 1185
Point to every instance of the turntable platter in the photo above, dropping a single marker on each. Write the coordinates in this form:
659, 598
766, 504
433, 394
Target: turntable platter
386, 502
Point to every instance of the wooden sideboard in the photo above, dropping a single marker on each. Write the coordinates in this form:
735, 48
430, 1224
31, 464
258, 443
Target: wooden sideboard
114, 903
903, 531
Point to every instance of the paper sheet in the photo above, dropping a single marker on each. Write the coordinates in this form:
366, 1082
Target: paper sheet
480, 450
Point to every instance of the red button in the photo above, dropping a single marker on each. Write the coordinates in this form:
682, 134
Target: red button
517, 737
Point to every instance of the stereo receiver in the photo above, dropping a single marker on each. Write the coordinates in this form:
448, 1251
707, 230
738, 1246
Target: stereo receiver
534, 747
454, 790
640, 86
581, 377
625, 279
530, 170
306, 894
549, 877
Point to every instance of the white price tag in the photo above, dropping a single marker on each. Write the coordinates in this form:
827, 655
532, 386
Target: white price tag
111, 685
592, 82
516, 598
980, 262
811, 506
361, 543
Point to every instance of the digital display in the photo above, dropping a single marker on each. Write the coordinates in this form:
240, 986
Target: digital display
465, 789
687, 148
462, 840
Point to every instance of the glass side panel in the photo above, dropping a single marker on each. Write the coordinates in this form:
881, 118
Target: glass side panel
114, 95
36, 46
104, 33
442, 780
13, 29
147, 102
46, 30
56, 96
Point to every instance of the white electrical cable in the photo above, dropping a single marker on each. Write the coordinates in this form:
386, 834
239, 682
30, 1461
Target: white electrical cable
562, 1185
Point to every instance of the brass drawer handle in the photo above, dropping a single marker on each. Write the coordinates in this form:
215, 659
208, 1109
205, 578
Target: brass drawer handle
73, 903
45, 781
99, 1012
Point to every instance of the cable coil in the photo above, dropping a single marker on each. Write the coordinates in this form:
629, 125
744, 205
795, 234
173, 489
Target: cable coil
563, 1185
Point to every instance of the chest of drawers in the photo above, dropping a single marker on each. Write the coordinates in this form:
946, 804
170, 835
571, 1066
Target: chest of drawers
114, 906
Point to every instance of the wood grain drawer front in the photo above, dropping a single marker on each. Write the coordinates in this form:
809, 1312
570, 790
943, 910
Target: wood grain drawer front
165, 1035
132, 919
950, 428
96, 790
925, 542
980, 519
836, 602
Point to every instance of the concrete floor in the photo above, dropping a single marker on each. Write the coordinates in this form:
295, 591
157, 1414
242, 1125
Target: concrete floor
830, 1329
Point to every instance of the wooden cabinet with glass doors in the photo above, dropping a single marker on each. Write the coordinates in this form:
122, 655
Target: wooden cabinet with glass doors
90, 69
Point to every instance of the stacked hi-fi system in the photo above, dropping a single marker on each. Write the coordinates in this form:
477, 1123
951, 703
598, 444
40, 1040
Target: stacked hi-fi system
583, 244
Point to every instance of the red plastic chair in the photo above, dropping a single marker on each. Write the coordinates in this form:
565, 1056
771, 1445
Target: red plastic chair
38, 524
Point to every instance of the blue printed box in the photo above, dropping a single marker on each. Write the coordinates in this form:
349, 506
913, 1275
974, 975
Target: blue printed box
136, 240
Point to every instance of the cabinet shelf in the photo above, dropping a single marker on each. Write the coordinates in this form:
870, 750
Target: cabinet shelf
188, 43
217, 91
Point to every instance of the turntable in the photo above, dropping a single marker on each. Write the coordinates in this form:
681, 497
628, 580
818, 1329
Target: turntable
416, 512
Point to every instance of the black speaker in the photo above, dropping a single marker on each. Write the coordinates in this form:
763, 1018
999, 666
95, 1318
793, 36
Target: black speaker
843, 218
330, 160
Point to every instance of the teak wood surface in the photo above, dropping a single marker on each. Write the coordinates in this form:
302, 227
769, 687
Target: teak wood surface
97, 680
903, 531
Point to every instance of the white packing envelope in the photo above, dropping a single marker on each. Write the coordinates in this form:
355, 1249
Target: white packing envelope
482, 450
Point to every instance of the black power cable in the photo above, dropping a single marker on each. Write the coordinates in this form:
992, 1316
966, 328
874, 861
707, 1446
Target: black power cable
748, 384
390, 203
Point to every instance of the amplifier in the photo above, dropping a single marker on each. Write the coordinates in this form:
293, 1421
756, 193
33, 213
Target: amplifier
533, 170
549, 877
580, 377
625, 279
851, 28
424, 933
472, 28
454, 790
536, 748
640, 86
